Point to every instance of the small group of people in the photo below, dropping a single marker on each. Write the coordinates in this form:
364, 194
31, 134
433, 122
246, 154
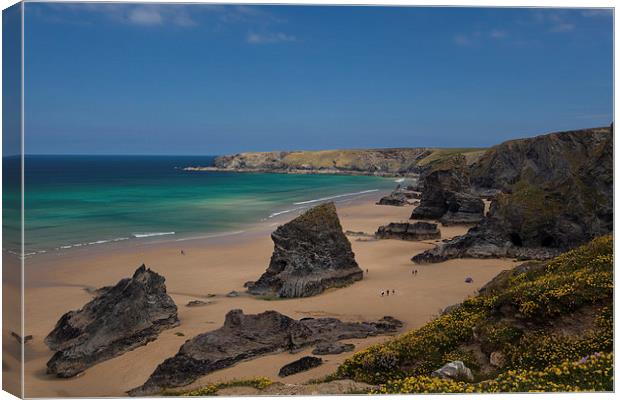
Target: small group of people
387, 292
414, 272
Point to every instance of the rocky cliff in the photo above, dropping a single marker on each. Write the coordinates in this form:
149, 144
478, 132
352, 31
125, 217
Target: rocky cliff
446, 195
552, 192
120, 318
311, 254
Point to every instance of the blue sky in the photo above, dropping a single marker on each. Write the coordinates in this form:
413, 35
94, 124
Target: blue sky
199, 79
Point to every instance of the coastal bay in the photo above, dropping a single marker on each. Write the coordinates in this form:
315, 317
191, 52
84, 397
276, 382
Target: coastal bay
212, 267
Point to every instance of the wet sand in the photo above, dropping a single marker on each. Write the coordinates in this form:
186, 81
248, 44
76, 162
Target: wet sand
57, 284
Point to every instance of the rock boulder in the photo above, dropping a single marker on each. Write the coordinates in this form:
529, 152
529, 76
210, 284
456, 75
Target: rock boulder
408, 231
454, 370
120, 318
301, 365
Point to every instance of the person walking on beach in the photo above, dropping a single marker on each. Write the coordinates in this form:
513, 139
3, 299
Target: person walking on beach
382, 293
182, 253
388, 292
393, 291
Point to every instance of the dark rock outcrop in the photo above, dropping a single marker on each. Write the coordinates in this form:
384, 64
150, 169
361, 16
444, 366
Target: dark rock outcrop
248, 336
555, 192
301, 365
311, 254
393, 199
408, 231
444, 178
120, 318
399, 197
481, 242
198, 303
322, 349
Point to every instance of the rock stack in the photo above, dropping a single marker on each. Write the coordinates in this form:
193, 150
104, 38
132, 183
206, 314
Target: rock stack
311, 254
445, 196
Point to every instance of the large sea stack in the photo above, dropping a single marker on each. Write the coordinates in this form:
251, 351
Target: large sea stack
446, 194
121, 318
311, 254
248, 336
554, 192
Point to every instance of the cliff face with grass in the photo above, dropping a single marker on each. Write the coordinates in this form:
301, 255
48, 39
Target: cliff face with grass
543, 326
382, 162
552, 193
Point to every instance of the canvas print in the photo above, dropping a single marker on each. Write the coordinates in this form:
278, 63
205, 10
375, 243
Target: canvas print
230, 199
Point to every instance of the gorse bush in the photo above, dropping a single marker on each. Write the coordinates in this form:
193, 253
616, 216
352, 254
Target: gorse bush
524, 317
591, 373
213, 388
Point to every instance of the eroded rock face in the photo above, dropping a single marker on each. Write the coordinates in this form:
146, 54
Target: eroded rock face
555, 192
482, 243
439, 182
407, 231
247, 336
462, 209
446, 195
311, 254
301, 365
120, 318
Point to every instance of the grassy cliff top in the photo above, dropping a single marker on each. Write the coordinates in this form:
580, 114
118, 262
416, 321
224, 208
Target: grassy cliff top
389, 160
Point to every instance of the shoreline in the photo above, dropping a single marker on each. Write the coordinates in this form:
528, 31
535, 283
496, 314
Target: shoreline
279, 215
245, 229
216, 266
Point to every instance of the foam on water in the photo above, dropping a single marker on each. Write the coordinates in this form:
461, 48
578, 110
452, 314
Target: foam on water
336, 197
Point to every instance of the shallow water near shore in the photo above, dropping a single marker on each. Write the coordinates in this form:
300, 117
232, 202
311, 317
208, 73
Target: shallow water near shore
83, 201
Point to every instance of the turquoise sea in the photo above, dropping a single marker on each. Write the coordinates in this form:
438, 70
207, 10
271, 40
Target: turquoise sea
77, 201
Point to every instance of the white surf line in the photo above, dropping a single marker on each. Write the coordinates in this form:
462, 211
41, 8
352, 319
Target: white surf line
275, 214
151, 234
335, 197
214, 235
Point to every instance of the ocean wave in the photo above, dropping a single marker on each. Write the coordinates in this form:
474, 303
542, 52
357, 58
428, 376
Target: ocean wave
151, 234
401, 180
275, 214
96, 242
335, 197
214, 235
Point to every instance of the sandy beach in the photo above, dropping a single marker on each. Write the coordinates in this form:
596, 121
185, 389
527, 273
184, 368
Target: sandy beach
213, 267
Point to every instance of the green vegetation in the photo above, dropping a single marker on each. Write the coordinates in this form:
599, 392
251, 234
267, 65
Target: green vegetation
471, 154
212, 389
593, 373
550, 322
